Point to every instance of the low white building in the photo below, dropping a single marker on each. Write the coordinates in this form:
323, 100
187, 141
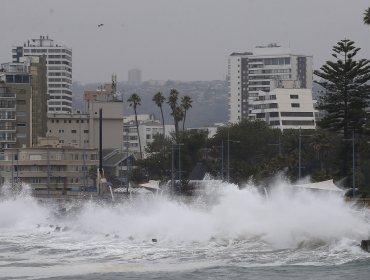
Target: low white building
148, 128
285, 108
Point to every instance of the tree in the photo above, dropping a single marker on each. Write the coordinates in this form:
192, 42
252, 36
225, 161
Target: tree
366, 18
159, 99
176, 111
186, 105
347, 94
135, 101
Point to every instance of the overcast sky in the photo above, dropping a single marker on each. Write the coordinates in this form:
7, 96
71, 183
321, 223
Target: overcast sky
179, 39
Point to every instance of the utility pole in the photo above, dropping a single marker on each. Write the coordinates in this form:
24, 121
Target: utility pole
279, 145
353, 164
172, 169
49, 170
299, 154
175, 147
228, 154
222, 160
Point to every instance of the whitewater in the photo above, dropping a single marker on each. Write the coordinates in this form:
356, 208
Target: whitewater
224, 233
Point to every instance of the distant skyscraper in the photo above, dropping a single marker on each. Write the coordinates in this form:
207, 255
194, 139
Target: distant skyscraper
261, 70
59, 70
134, 77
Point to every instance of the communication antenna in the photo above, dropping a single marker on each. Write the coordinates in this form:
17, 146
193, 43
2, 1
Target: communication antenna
114, 86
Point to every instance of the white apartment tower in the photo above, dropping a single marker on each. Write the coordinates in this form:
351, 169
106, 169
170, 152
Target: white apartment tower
59, 70
261, 70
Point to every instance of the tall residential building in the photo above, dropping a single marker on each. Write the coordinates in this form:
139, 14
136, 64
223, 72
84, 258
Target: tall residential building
23, 102
134, 77
59, 70
260, 70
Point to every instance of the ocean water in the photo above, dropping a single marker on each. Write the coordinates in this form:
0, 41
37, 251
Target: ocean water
225, 233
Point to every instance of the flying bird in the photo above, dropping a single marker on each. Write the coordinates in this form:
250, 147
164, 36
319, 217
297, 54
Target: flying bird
100, 25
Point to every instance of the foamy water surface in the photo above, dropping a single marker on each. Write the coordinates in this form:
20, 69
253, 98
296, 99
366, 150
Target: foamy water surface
223, 231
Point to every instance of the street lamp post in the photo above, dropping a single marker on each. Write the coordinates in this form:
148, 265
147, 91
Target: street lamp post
228, 154
173, 148
222, 160
353, 162
300, 152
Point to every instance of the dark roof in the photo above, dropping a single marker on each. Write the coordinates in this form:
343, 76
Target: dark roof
198, 172
113, 157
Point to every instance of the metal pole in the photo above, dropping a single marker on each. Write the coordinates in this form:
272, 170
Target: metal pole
101, 141
222, 160
280, 153
172, 170
12, 170
179, 163
299, 155
49, 171
353, 164
228, 156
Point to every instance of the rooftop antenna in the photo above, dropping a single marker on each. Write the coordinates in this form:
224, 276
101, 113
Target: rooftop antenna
114, 86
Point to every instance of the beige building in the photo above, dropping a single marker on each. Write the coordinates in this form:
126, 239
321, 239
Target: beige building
288, 107
50, 170
23, 97
82, 129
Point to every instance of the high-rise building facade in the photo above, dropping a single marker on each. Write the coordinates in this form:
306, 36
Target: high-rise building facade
59, 70
15, 114
23, 98
261, 70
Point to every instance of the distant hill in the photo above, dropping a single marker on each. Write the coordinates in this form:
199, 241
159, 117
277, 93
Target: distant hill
210, 99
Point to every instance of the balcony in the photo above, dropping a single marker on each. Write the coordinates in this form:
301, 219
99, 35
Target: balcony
7, 95
8, 128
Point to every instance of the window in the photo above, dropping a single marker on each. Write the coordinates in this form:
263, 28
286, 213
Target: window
298, 122
294, 96
295, 105
274, 122
274, 114
86, 131
297, 114
73, 131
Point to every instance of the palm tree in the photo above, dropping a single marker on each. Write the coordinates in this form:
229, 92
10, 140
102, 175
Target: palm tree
172, 101
186, 105
367, 16
135, 101
158, 99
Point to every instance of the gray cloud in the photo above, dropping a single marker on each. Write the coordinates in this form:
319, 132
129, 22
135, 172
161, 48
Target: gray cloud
179, 39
